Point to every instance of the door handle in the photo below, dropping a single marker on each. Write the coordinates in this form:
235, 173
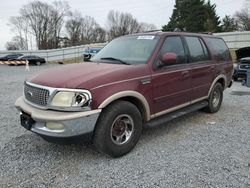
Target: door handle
185, 74
146, 81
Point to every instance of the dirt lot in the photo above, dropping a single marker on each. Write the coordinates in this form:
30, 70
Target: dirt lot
196, 150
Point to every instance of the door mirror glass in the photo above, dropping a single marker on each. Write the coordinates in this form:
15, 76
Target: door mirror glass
168, 59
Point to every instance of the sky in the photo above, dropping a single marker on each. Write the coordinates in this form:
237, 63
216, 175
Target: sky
150, 11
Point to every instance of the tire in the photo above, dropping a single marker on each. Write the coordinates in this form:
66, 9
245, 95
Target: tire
118, 129
215, 99
38, 63
235, 78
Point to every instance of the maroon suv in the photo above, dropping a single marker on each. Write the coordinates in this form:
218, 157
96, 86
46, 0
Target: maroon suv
135, 80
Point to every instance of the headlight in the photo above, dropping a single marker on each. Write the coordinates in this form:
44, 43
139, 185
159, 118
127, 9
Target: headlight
70, 99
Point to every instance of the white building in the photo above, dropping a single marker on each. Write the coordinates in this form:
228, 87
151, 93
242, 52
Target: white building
237, 39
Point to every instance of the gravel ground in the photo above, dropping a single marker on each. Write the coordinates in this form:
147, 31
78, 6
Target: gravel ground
196, 150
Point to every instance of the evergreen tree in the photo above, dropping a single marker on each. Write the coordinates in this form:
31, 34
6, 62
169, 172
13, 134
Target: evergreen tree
193, 16
212, 23
228, 24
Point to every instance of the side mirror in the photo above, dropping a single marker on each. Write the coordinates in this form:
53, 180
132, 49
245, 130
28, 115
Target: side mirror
168, 59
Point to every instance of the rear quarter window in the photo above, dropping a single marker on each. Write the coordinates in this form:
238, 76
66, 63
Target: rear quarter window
218, 48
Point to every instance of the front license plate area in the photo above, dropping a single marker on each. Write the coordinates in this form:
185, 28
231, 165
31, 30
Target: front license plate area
26, 121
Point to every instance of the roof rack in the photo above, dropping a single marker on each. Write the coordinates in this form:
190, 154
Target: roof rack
152, 31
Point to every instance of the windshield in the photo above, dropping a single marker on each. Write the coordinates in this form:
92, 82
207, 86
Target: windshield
128, 50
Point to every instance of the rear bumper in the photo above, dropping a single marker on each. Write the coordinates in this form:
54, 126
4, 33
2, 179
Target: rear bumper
58, 126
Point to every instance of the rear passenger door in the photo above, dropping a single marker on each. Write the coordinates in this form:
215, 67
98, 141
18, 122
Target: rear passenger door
202, 68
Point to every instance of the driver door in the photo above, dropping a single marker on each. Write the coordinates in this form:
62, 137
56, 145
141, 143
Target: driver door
171, 83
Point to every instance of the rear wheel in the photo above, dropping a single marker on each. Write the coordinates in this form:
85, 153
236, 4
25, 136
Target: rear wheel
38, 63
215, 99
118, 129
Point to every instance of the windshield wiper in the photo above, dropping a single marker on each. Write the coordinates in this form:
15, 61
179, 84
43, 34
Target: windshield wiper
115, 59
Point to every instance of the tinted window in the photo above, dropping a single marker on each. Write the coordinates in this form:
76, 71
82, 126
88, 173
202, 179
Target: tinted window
197, 49
219, 49
173, 45
204, 49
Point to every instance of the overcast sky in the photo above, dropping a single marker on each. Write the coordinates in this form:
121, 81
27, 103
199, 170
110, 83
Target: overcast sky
151, 11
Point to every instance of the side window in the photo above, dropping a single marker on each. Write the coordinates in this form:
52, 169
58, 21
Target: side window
173, 44
205, 49
197, 49
219, 49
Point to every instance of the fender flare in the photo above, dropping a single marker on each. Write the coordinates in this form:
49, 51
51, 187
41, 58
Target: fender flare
216, 80
123, 94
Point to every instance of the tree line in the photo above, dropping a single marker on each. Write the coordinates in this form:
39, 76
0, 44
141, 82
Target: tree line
201, 16
55, 25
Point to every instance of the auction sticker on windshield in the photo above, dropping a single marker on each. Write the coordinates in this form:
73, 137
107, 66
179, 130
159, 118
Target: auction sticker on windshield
146, 37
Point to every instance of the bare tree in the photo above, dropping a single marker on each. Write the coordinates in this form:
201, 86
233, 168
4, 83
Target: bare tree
45, 21
144, 27
74, 27
124, 23
20, 28
121, 24
11, 46
91, 31
242, 19
59, 11
99, 35
84, 30
16, 43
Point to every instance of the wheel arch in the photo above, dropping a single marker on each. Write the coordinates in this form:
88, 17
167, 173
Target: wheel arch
131, 96
219, 79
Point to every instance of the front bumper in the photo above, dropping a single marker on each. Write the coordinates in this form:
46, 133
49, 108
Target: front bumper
73, 124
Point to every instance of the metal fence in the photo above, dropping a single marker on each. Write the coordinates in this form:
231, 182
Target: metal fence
58, 55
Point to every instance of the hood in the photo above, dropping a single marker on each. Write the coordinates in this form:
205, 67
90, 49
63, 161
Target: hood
87, 75
242, 53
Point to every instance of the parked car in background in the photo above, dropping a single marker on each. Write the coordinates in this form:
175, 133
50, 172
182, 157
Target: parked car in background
89, 53
9, 57
33, 59
243, 63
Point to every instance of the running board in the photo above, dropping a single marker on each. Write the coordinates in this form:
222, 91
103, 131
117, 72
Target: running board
170, 116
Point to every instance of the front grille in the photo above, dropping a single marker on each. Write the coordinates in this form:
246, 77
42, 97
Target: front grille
36, 95
245, 66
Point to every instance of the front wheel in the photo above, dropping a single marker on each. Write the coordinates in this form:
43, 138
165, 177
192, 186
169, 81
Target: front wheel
215, 99
118, 129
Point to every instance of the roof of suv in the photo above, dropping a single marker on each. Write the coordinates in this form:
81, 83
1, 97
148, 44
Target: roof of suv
160, 33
